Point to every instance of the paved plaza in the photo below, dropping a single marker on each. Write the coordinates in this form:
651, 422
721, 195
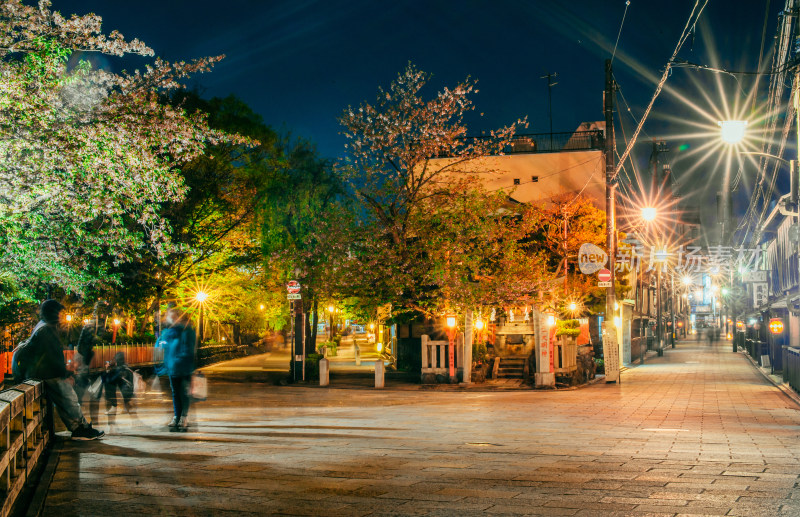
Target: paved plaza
697, 432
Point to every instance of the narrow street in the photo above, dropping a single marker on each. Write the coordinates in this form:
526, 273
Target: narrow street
696, 432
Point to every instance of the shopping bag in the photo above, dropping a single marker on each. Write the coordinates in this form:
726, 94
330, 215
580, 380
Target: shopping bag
155, 387
199, 388
139, 386
96, 388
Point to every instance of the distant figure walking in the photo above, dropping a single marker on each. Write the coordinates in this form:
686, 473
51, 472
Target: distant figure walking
710, 336
179, 349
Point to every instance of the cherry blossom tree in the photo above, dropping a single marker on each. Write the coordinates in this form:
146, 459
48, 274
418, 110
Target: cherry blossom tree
87, 156
429, 237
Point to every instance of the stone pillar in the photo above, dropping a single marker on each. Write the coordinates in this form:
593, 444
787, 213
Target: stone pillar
379, 372
543, 377
324, 372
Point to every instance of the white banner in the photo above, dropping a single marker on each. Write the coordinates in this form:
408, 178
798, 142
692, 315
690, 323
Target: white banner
610, 351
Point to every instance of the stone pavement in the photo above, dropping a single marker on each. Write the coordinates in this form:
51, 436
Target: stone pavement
696, 432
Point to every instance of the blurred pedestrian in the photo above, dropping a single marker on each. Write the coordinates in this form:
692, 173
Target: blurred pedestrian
118, 375
82, 361
179, 349
42, 357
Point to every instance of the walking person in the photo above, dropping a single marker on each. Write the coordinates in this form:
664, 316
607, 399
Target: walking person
83, 363
42, 358
179, 348
118, 376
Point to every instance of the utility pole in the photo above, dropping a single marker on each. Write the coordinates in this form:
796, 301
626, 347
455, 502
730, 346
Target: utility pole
550, 85
610, 350
566, 262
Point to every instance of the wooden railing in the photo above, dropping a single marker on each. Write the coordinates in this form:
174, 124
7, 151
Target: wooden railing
565, 355
25, 430
436, 355
791, 368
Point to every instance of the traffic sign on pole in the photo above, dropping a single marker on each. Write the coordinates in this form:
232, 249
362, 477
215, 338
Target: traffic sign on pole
293, 287
604, 275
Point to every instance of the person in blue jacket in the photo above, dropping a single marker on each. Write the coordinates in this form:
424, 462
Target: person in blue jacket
179, 350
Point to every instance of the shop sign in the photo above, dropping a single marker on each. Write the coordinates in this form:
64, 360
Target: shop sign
760, 294
754, 276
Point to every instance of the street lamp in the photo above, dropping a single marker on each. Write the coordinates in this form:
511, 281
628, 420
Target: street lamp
201, 297
331, 309
649, 213
687, 281
732, 131
451, 337
116, 327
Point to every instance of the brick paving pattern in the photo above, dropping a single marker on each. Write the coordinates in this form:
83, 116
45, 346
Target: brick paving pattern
696, 432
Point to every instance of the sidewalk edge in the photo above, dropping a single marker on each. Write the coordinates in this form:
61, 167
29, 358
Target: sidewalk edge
786, 390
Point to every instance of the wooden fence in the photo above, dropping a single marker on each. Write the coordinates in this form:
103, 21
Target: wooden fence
25, 430
436, 356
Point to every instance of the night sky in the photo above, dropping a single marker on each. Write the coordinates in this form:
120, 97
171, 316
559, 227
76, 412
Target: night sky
300, 63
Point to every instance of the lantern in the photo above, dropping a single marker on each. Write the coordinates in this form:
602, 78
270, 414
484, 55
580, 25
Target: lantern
776, 325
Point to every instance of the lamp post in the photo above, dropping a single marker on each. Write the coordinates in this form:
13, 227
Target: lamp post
733, 132
451, 337
201, 297
116, 327
331, 308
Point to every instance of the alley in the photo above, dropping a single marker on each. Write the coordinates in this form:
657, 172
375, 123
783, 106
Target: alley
696, 432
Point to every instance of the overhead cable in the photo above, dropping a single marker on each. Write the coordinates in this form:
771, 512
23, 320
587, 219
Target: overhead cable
690, 23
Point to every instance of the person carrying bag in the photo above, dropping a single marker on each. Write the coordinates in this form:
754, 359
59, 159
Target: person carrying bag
179, 350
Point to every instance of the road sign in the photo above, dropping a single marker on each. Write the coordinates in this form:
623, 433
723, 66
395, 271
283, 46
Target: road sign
604, 275
603, 284
293, 286
591, 258
294, 296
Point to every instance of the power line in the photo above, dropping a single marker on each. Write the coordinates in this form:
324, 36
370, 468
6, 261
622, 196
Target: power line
627, 3
681, 41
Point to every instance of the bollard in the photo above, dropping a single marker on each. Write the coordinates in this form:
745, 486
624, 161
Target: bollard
324, 372
358, 355
379, 369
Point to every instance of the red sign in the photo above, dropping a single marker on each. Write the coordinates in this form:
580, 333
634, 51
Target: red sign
293, 287
604, 275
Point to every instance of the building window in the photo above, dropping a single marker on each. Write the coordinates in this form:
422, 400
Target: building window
535, 179
516, 181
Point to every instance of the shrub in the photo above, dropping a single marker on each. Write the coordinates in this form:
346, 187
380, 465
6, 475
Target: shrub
312, 366
568, 328
479, 352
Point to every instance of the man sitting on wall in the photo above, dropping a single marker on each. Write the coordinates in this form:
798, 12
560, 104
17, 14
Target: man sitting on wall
42, 357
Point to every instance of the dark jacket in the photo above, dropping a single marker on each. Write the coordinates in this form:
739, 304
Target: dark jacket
46, 354
179, 344
119, 375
